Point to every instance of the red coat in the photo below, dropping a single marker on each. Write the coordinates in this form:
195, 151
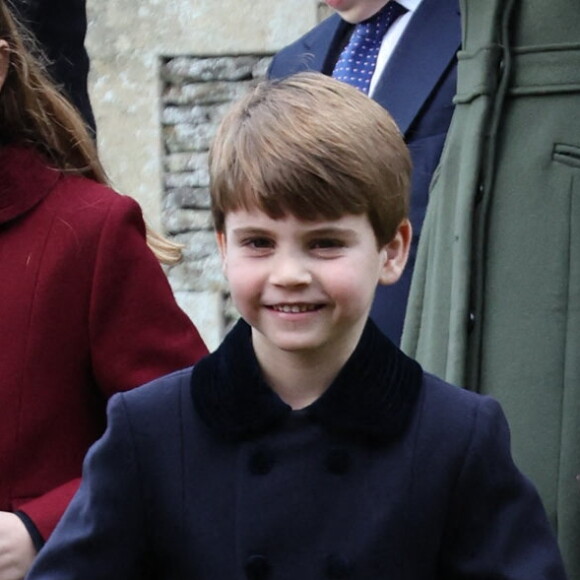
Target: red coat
85, 311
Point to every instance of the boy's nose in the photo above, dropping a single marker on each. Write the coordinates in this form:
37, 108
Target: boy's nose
289, 270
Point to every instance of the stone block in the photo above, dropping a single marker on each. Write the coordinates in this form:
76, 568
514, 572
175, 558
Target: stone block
205, 93
187, 137
195, 162
187, 220
186, 198
228, 68
185, 179
193, 113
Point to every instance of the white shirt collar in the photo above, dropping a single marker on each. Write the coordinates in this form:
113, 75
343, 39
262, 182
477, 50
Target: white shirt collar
410, 5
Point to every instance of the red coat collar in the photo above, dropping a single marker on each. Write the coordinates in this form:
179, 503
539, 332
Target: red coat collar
25, 180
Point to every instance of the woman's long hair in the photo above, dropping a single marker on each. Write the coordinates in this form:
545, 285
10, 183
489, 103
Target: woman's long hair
33, 112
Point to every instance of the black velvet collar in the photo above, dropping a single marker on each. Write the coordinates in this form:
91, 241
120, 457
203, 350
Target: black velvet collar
371, 398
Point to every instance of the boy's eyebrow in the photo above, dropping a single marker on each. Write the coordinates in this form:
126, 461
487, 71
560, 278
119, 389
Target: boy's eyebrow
315, 231
250, 230
332, 231
321, 231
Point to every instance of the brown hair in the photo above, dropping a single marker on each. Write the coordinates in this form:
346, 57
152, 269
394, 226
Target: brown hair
314, 147
34, 113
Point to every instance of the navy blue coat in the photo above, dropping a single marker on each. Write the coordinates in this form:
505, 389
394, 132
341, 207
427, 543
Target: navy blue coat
417, 88
207, 474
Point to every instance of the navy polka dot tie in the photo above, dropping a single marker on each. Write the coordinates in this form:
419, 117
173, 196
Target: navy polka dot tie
357, 61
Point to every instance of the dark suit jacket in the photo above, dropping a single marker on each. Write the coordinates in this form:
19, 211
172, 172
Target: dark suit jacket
85, 311
391, 474
60, 27
417, 88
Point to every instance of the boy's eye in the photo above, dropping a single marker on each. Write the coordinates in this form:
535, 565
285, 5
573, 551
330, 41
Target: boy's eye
326, 243
258, 243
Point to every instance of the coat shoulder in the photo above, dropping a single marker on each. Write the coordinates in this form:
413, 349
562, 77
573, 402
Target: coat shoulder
77, 195
442, 393
86, 212
300, 54
160, 396
453, 413
161, 421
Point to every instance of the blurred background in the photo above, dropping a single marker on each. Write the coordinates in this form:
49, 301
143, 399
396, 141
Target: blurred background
162, 75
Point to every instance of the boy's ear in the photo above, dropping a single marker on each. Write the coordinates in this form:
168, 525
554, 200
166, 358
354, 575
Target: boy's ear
396, 253
4, 61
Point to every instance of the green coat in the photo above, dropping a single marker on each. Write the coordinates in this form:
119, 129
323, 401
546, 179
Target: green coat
495, 300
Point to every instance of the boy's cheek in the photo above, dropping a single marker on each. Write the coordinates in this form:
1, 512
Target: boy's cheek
241, 280
233, 264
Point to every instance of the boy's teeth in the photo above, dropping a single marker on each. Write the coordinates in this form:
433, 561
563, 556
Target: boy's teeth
294, 308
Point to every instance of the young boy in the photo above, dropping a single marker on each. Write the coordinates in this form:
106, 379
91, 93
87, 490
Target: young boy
307, 446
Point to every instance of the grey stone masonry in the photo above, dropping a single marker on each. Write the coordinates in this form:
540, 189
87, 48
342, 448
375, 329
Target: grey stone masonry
196, 92
162, 72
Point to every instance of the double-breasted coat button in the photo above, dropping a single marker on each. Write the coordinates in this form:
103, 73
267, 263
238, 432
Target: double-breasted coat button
338, 568
257, 567
338, 461
261, 461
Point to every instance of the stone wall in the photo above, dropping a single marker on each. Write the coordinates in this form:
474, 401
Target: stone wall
196, 93
162, 73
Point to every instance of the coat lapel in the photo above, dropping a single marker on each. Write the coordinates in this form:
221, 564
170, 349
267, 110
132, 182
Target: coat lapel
323, 45
424, 52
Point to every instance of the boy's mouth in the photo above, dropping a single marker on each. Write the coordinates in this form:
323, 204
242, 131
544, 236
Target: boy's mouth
295, 308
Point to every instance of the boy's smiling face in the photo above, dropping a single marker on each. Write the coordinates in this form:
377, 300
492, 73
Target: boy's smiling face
306, 286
